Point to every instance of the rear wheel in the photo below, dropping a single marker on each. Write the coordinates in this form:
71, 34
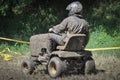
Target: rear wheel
90, 66
27, 67
55, 67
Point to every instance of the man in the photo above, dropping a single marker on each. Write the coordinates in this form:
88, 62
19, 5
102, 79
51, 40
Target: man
73, 24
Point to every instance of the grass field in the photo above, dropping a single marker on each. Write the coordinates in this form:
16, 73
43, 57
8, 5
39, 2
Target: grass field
107, 64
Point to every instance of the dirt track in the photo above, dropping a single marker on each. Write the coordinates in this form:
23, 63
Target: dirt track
108, 69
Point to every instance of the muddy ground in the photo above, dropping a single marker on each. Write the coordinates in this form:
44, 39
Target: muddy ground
108, 68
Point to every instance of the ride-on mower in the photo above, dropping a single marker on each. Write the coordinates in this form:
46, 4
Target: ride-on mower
70, 57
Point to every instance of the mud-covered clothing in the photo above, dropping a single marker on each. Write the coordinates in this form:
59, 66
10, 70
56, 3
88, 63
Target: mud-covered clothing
74, 24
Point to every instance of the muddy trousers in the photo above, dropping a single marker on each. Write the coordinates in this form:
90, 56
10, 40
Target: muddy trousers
55, 40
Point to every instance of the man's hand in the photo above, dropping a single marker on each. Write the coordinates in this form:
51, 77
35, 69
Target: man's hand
50, 30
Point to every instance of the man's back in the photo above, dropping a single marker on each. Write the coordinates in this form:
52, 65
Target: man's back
76, 25
72, 24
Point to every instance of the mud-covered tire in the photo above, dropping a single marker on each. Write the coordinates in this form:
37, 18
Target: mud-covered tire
27, 67
90, 66
55, 67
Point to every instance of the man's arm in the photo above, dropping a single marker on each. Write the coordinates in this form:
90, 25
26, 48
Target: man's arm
60, 27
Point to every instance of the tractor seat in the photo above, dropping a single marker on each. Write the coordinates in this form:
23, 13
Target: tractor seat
74, 42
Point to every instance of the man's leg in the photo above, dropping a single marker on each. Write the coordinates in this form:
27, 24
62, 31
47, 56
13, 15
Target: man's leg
54, 41
56, 38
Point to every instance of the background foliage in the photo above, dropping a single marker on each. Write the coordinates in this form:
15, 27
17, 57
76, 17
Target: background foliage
20, 19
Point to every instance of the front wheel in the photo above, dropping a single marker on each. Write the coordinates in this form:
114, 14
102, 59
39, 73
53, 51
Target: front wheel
27, 67
55, 67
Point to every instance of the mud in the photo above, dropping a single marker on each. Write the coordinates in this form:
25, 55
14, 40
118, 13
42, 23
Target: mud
108, 68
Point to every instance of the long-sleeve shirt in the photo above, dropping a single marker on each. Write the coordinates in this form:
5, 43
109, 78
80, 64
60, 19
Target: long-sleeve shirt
72, 24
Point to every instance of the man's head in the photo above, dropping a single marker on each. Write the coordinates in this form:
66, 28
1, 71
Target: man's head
74, 7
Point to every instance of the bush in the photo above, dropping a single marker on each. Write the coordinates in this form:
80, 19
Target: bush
107, 13
25, 25
100, 38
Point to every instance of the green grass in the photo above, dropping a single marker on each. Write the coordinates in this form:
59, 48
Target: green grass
19, 48
100, 39
107, 53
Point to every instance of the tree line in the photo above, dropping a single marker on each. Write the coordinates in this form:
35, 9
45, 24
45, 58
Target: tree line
21, 19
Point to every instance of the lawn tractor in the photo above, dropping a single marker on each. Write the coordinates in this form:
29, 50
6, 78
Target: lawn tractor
68, 58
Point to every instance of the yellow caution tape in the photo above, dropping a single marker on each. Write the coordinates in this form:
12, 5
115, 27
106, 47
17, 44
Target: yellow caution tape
98, 49
8, 57
14, 40
25, 42
6, 54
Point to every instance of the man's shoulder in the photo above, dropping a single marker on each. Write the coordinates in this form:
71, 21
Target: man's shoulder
75, 18
70, 18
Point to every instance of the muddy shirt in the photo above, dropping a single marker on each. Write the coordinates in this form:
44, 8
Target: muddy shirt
72, 24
